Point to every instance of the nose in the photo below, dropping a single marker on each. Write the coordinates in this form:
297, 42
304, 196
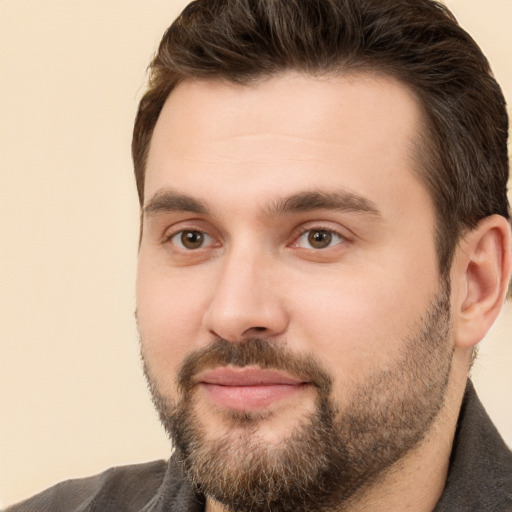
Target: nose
246, 300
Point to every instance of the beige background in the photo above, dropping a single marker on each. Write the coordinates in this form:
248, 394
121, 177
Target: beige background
72, 397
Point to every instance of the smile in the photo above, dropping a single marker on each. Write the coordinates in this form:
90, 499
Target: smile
248, 389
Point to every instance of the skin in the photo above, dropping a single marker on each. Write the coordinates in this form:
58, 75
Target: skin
239, 152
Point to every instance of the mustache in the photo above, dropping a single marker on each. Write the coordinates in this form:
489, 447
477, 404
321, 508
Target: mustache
268, 355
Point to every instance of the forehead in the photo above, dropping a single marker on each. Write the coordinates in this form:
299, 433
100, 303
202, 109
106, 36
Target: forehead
286, 134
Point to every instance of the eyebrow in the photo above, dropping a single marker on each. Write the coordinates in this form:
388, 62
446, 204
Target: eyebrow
321, 200
171, 201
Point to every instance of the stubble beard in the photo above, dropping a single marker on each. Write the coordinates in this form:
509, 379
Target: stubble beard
335, 453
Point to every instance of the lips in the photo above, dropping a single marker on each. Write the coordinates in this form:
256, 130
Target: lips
248, 389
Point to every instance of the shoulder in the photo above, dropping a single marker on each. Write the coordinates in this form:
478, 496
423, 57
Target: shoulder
480, 474
124, 488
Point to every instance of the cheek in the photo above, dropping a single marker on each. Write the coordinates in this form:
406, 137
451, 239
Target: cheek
354, 326
169, 318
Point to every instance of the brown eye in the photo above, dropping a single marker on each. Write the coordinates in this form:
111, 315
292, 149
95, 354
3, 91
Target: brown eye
319, 239
190, 239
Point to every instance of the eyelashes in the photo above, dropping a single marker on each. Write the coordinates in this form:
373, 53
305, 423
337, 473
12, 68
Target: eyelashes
318, 239
315, 238
191, 239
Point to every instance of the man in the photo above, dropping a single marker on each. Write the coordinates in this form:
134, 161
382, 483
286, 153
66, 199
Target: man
325, 238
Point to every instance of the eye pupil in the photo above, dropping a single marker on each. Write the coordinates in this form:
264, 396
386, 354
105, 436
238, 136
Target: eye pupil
192, 239
319, 239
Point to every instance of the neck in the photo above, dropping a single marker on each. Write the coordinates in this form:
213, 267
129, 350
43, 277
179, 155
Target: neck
416, 481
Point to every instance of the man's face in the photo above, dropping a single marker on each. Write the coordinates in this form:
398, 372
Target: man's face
287, 281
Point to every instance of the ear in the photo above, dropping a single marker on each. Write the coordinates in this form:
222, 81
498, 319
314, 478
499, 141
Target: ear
480, 277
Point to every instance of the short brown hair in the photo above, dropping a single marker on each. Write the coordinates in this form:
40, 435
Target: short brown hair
465, 163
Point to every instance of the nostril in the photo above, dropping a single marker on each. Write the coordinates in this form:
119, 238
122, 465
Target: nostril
254, 331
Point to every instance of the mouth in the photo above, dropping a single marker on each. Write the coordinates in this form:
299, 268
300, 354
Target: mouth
248, 388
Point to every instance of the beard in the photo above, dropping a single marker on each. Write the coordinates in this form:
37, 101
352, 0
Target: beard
334, 453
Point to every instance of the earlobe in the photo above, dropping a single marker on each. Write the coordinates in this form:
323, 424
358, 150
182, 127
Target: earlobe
482, 268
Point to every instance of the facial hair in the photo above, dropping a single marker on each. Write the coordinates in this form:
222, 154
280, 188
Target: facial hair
336, 452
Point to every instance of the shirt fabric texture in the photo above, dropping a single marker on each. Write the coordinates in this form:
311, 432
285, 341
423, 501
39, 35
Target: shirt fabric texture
479, 478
